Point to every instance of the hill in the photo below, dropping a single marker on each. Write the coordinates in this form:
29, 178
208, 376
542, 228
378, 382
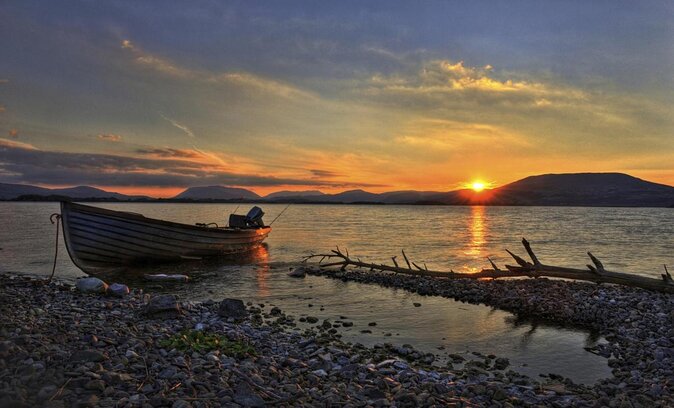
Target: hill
216, 193
14, 191
295, 195
576, 189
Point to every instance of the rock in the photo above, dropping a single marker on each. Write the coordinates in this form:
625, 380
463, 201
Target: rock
499, 394
320, 373
118, 290
163, 305
373, 393
299, 272
88, 356
501, 363
46, 392
233, 308
416, 304
95, 385
91, 285
87, 401
245, 397
168, 373
312, 319
181, 404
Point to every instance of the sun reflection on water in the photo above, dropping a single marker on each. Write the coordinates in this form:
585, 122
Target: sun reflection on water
477, 226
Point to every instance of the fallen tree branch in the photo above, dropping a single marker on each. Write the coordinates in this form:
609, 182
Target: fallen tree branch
596, 273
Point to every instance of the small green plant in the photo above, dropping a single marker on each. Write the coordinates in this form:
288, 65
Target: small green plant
200, 341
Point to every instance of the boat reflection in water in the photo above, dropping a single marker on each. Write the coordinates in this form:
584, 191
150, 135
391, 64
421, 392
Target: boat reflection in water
196, 270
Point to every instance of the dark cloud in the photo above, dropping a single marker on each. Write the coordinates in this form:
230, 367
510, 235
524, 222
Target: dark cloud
170, 152
317, 173
22, 163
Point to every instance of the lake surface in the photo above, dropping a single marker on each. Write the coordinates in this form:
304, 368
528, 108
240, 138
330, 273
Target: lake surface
460, 238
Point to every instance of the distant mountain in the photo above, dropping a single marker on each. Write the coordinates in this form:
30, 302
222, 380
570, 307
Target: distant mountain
14, 191
286, 194
217, 193
577, 189
351, 196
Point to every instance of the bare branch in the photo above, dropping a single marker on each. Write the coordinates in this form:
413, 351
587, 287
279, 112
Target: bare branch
533, 257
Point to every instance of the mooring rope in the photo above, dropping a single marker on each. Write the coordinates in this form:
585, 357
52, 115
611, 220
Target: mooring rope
57, 217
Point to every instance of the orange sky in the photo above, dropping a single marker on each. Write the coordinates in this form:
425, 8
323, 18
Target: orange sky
333, 97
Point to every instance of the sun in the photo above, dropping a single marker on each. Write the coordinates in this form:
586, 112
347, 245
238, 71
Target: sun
478, 186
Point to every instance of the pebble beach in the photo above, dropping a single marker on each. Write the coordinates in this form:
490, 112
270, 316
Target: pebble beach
60, 347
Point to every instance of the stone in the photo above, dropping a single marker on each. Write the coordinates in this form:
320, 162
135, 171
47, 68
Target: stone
299, 272
312, 319
95, 385
245, 397
501, 363
232, 308
91, 285
87, 401
118, 290
417, 304
46, 392
88, 356
163, 305
168, 373
181, 404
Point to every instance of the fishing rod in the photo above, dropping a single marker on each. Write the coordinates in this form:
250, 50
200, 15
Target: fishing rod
281, 213
235, 210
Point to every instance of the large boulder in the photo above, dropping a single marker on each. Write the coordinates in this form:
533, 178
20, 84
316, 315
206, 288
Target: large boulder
91, 285
233, 308
163, 306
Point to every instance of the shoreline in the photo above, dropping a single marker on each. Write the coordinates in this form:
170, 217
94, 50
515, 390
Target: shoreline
46, 325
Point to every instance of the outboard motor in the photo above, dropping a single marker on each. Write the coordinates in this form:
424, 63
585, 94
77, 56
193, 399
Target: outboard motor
251, 220
254, 217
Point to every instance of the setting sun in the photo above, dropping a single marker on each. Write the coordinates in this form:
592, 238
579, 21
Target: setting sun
478, 186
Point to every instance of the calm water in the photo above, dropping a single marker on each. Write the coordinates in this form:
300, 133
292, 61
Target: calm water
634, 240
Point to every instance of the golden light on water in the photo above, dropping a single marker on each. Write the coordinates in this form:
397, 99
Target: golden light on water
478, 229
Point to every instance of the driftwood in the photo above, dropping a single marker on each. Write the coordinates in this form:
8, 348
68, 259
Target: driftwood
534, 269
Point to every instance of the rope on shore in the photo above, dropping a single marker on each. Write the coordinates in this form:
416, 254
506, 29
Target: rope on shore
54, 219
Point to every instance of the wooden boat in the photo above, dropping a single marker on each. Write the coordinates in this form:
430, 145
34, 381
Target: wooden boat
98, 238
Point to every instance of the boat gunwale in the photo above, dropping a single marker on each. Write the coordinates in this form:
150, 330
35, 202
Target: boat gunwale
76, 207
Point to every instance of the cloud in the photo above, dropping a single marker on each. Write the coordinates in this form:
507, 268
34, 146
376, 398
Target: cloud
109, 137
184, 128
459, 136
13, 133
12, 144
239, 78
24, 163
446, 83
171, 153
317, 173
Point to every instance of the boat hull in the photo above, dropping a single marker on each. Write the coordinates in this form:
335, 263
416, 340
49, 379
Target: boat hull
98, 238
